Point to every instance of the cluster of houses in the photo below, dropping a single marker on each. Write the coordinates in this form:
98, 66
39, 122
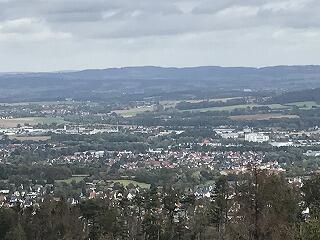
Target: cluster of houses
183, 156
43, 109
24, 196
223, 161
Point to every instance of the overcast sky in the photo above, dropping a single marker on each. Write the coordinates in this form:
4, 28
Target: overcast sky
45, 35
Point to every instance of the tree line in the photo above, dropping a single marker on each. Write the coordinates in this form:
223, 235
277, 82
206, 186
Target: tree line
257, 205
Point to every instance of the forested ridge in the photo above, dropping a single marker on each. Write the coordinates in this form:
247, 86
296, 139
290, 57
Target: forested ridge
136, 83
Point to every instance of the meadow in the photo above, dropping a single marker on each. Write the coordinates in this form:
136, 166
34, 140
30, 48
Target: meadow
262, 116
233, 107
30, 138
13, 122
127, 182
304, 105
75, 178
134, 111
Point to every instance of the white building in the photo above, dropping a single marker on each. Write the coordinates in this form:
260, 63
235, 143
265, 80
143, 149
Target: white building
229, 135
256, 137
281, 144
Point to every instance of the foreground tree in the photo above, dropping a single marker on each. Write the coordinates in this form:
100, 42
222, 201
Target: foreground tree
310, 227
265, 207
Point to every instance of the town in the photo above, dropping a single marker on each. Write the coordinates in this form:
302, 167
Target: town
71, 149
155, 166
159, 120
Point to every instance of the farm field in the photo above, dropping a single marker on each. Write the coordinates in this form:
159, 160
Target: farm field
134, 111
127, 182
166, 104
13, 122
73, 178
173, 103
304, 105
262, 116
30, 138
233, 107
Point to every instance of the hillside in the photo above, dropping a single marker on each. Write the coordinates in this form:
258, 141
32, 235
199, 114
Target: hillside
133, 82
297, 96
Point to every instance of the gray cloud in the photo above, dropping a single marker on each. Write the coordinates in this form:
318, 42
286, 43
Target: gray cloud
142, 27
126, 18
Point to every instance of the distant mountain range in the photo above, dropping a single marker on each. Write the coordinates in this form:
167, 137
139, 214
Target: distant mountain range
104, 84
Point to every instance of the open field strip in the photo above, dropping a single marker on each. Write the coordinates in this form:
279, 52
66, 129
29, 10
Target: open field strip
303, 105
127, 182
233, 107
13, 122
134, 111
266, 116
77, 179
173, 103
30, 138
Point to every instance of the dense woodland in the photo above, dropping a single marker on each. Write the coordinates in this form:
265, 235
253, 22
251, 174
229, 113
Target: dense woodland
256, 205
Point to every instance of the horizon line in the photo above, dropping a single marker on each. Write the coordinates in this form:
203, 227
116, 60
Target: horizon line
158, 66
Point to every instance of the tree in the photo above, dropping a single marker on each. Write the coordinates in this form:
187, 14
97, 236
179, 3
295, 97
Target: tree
17, 233
310, 228
311, 197
218, 211
7, 220
100, 217
54, 220
266, 207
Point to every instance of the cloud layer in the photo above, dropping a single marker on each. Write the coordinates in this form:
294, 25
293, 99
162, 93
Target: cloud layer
65, 34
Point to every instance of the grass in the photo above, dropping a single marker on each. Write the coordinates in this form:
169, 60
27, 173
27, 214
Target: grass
135, 183
125, 183
266, 116
134, 111
173, 103
233, 107
30, 138
167, 104
49, 120
13, 122
77, 179
304, 105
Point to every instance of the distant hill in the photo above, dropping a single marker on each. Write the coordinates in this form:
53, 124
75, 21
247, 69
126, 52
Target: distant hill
152, 81
297, 96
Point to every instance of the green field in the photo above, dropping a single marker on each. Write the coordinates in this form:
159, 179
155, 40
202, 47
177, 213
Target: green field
134, 111
304, 105
173, 103
125, 183
13, 122
69, 180
166, 104
50, 120
135, 183
30, 138
265, 116
233, 107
